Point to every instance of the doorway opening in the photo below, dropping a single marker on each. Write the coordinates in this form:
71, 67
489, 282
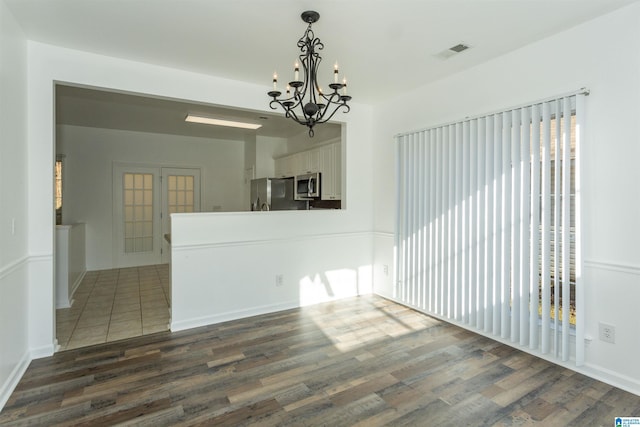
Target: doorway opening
98, 128
135, 298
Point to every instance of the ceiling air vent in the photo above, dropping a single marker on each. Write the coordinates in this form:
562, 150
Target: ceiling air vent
459, 48
448, 53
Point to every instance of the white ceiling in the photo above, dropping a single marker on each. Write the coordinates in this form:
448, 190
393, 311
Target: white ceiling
384, 47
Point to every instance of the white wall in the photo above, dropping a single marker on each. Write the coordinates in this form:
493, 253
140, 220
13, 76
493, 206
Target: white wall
231, 271
89, 157
48, 64
602, 55
14, 259
302, 141
266, 149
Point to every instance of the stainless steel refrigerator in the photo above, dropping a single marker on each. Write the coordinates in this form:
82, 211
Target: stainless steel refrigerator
275, 194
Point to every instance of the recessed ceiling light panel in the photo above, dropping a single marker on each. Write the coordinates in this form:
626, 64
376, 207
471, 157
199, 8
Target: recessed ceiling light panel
192, 118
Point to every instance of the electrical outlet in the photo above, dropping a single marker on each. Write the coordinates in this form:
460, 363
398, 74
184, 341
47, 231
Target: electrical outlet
385, 268
279, 280
607, 333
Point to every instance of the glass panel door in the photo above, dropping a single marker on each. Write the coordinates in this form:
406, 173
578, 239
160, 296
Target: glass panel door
181, 194
136, 216
138, 212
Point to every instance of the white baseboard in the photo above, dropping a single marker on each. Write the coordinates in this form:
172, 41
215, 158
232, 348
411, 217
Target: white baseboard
75, 285
613, 266
612, 378
44, 351
63, 304
13, 380
231, 315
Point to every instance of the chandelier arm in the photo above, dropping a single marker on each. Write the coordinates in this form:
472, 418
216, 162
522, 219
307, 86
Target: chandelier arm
281, 103
303, 61
334, 100
331, 99
322, 112
290, 113
337, 108
313, 62
297, 99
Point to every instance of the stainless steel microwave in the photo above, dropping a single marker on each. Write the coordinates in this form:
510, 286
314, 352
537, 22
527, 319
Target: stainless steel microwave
307, 186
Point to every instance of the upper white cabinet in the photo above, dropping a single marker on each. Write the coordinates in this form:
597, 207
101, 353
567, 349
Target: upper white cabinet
331, 169
306, 161
278, 168
285, 167
313, 161
326, 159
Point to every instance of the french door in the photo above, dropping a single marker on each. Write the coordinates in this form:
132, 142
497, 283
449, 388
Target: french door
136, 191
144, 197
180, 194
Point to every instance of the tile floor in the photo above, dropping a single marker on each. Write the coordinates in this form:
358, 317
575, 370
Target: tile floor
111, 305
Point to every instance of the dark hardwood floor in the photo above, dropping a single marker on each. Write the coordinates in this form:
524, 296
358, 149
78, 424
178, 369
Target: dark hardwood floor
361, 361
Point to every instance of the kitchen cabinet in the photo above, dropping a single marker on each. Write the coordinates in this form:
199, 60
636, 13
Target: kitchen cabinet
337, 171
298, 163
306, 162
331, 169
326, 159
279, 167
285, 167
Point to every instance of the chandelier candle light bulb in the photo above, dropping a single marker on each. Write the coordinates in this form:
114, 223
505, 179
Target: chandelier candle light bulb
308, 105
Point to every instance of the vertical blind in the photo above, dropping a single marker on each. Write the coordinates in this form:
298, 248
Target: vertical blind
488, 224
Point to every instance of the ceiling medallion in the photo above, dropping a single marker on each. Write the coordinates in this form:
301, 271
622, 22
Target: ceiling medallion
304, 100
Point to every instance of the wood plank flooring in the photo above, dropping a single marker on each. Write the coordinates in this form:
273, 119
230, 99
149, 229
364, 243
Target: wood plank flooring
357, 362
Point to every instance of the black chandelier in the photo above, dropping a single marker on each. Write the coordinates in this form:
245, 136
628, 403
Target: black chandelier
308, 105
